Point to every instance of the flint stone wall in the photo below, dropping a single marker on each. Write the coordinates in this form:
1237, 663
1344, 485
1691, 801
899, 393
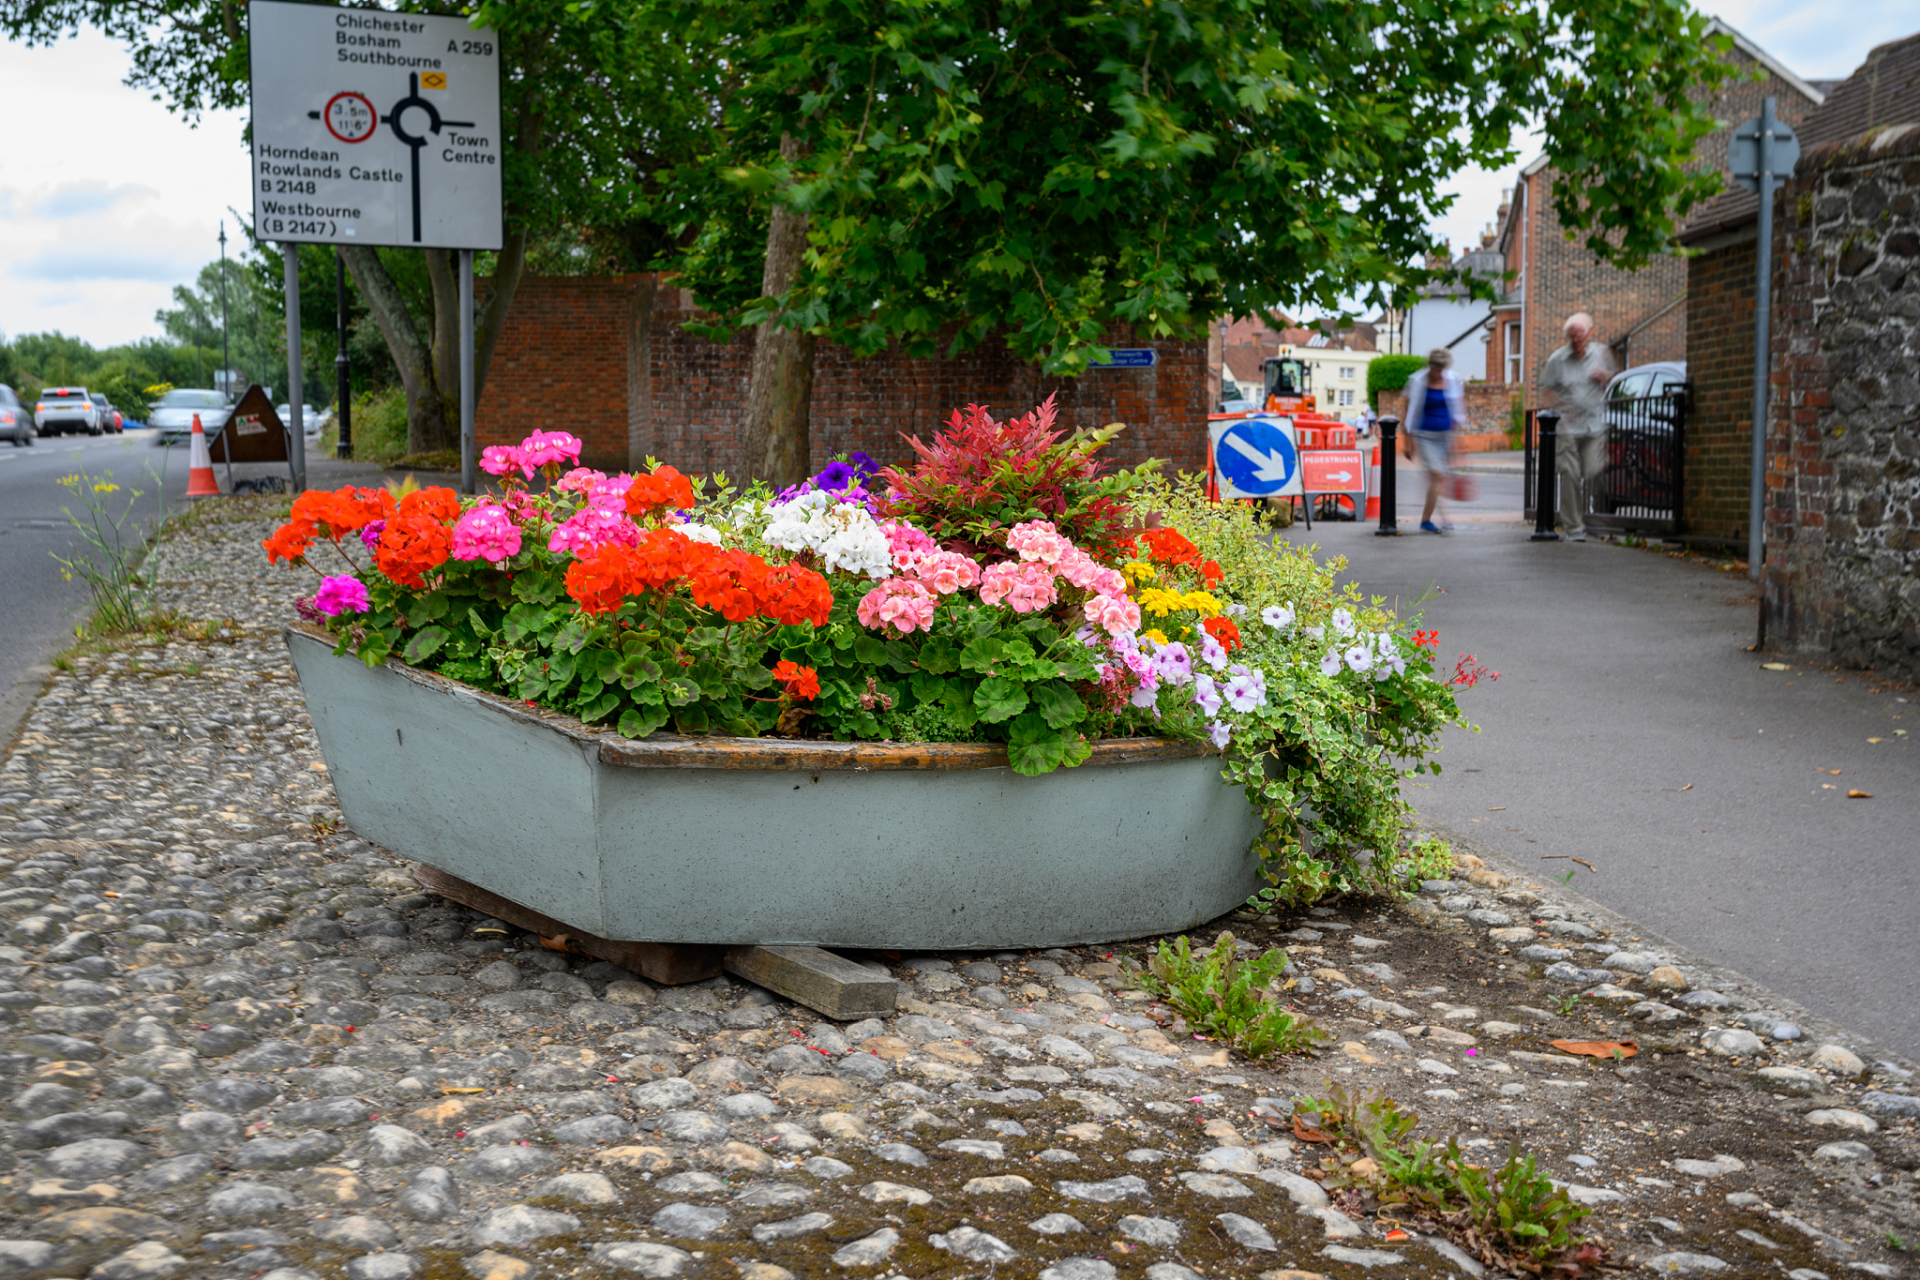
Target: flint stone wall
1843, 478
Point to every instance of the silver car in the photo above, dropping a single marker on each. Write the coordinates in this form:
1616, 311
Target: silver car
16, 422
66, 410
174, 412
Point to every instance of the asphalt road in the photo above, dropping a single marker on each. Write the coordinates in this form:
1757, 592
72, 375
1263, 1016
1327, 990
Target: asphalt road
39, 609
1631, 728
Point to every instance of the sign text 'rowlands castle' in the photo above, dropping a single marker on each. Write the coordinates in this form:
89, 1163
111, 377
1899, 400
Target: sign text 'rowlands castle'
394, 139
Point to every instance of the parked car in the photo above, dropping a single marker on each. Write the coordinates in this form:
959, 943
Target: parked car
313, 419
16, 424
66, 411
110, 419
1645, 406
174, 412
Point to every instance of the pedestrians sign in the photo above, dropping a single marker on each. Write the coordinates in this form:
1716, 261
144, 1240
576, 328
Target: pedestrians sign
1255, 457
373, 127
1129, 358
1333, 471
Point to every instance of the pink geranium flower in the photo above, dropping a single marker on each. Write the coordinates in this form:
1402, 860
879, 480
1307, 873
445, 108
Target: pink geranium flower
343, 593
486, 533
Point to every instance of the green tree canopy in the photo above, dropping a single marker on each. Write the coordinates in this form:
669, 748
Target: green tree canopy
1049, 171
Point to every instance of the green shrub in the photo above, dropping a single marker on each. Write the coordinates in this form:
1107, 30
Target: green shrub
380, 425
1432, 859
1390, 373
1227, 998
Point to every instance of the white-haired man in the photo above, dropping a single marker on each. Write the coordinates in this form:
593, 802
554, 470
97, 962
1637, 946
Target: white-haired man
1576, 376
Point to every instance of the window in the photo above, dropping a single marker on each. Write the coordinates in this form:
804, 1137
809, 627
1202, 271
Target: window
1346, 398
1346, 372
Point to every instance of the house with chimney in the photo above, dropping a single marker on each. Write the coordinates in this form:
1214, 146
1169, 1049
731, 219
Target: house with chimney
1336, 356
1641, 315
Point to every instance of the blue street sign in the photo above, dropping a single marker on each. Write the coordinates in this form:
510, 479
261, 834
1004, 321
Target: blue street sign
1130, 358
1256, 458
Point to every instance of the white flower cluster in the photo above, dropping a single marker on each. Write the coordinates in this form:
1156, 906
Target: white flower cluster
843, 534
1378, 654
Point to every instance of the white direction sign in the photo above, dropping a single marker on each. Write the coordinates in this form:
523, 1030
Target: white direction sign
375, 128
1255, 457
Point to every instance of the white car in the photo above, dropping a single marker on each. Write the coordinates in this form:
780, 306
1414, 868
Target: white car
67, 410
174, 412
315, 418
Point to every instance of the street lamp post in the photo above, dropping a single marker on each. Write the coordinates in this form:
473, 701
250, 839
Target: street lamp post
226, 369
343, 405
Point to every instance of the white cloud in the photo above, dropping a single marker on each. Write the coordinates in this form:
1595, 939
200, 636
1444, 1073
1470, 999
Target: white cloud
107, 200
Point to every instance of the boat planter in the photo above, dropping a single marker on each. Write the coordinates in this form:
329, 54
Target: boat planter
775, 841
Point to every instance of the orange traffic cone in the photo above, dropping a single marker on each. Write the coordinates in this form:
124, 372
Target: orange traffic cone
1373, 485
200, 481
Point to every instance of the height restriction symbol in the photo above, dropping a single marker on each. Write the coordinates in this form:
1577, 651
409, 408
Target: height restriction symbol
349, 117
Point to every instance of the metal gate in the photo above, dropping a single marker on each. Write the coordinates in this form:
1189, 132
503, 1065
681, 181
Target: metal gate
1643, 484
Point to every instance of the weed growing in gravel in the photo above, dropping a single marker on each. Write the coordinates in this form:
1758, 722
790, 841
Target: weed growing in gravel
1432, 859
1226, 997
1568, 1004
1512, 1217
112, 549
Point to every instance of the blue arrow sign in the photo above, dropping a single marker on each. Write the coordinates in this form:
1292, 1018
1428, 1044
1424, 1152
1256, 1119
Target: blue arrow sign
1129, 358
1256, 457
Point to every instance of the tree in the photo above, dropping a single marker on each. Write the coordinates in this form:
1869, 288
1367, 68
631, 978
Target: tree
576, 114
1040, 174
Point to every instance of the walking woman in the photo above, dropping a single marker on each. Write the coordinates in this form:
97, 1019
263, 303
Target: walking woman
1436, 409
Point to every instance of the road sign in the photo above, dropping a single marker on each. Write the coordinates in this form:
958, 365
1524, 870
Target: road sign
1255, 457
1129, 358
373, 127
1333, 471
1743, 153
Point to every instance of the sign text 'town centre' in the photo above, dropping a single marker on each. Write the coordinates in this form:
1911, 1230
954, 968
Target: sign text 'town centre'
374, 128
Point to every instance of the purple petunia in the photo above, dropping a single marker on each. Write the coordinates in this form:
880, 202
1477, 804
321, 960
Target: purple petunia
1244, 693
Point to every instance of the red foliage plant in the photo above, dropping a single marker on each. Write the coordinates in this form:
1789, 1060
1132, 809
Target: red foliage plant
980, 477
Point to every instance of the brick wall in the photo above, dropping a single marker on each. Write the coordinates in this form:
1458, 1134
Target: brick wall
1842, 580
1720, 294
608, 358
1489, 413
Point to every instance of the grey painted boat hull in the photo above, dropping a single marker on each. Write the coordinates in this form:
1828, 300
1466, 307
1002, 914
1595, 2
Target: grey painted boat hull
773, 841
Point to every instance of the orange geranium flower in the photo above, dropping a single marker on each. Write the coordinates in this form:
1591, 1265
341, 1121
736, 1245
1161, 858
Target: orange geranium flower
410, 546
343, 510
800, 682
290, 541
664, 489
436, 502
1225, 630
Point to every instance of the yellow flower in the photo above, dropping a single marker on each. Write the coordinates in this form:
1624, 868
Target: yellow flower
1139, 571
104, 487
1160, 602
1156, 635
1206, 604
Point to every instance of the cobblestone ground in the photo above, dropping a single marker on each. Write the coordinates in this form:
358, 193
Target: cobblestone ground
241, 1043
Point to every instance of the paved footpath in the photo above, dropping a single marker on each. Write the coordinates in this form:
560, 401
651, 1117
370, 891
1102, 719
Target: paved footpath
1631, 728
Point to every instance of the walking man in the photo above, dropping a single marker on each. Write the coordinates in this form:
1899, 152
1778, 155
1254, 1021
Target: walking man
1576, 377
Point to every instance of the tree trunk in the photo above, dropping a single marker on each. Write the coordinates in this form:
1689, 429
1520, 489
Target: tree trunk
774, 439
431, 373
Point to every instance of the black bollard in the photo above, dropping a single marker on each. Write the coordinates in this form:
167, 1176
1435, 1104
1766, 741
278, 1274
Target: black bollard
1389, 496
1547, 461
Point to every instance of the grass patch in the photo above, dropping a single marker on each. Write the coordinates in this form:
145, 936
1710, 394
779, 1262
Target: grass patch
1512, 1217
152, 629
1228, 998
431, 460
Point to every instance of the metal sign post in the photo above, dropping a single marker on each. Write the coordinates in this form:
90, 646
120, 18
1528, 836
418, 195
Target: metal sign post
468, 476
372, 127
297, 442
1761, 154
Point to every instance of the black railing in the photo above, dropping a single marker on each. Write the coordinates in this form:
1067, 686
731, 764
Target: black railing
1643, 483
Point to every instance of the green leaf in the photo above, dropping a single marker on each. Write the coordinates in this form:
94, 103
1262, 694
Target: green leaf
939, 657
425, 643
680, 691
636, 669
983, 653
1058, 703
641, 722
538, 586
524, 620
691, 720
599, 708
1034, 748
999, 698
869, 651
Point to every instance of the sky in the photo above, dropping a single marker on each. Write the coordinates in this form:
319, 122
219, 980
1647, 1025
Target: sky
107, 200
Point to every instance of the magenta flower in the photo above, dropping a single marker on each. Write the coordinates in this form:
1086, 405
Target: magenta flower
499, 459
486, 533
371, 534
340, 594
